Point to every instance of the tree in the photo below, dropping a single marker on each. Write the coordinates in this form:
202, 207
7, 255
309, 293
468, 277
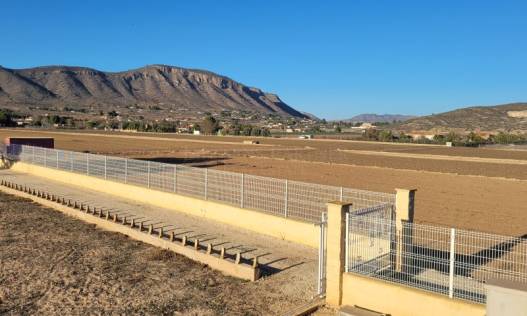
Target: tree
209, 125
6, 118
338, 129
371, 134
452, 137
112, 114
385, 136
440, 139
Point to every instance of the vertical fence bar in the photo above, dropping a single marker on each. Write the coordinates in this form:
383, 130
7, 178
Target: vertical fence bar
341, 194
57, 154
347, 247
242, 190
105, 163
286, 197
175, 178
206, 182
33, 155
148, 174
45, 157
125, 170
87, 164
71, 160
321, 255
452, 262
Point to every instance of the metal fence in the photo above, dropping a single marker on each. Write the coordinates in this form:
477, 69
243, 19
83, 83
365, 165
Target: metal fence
292, 199
443, 260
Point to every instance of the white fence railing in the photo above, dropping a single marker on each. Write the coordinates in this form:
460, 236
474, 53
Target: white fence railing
448, 261
292, 199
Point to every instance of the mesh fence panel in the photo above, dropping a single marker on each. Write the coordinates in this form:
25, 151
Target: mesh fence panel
80, 162
190, 181
482, 256
224, 187
298, 200
115, 169
307, 201
364, 199
447, 261
266, 194
137, 172
40, 156
96, 166
162, 176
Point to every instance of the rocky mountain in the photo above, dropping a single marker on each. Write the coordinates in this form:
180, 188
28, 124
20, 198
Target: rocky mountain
506, 117
161, 86
385, 118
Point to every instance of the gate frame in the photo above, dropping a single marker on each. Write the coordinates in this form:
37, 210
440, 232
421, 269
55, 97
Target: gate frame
322, 253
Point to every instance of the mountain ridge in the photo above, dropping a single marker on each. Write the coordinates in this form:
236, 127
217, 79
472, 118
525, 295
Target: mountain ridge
503, 117
194, 89
372, 118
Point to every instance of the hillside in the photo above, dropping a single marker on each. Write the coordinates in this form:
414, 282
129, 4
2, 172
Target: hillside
506, 117
385, 118
158, 86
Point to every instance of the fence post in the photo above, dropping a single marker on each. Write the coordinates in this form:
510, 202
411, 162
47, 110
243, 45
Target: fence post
206, 182
242, 190
452, 262
125, 170
33, 155
87, 164
71, 161
286, 197
404, 213
335, 251
321, 255
346, 266
148, 174
57, 154
45, 157
105, 162
341, 194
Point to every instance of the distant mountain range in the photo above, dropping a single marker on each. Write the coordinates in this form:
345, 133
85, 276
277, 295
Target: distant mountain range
506, 117
384, 118
165, 87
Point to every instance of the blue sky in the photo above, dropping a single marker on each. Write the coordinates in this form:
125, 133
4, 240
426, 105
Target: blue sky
334, 59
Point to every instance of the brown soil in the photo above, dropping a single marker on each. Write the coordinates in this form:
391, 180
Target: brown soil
475, 195
56, 265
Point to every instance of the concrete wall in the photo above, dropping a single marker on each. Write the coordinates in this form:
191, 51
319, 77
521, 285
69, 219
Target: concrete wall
398, 300
283, 228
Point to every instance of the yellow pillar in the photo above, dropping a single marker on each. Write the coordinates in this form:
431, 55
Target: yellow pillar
335, 251
404, 213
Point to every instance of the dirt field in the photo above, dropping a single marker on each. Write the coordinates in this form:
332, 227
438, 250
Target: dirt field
55, 265
488, 196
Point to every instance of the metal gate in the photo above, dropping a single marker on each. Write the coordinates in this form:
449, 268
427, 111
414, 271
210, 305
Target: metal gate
321, 276
370, 236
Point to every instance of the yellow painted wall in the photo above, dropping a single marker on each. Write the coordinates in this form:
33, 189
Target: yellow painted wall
398, 300
283, 228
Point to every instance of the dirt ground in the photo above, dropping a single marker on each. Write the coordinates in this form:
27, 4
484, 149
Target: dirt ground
56, 265
487, 196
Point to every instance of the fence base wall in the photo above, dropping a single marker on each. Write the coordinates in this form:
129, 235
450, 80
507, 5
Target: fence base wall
283, 228
399, 300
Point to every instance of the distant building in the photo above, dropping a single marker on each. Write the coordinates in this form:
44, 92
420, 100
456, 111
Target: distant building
364, 126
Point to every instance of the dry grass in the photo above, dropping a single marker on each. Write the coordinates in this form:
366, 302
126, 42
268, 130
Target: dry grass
55, 265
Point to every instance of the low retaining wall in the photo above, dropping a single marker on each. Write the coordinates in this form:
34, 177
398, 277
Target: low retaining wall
283, 228
398, 300
111, 223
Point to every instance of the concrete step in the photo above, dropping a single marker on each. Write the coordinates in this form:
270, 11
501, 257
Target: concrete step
358, 311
